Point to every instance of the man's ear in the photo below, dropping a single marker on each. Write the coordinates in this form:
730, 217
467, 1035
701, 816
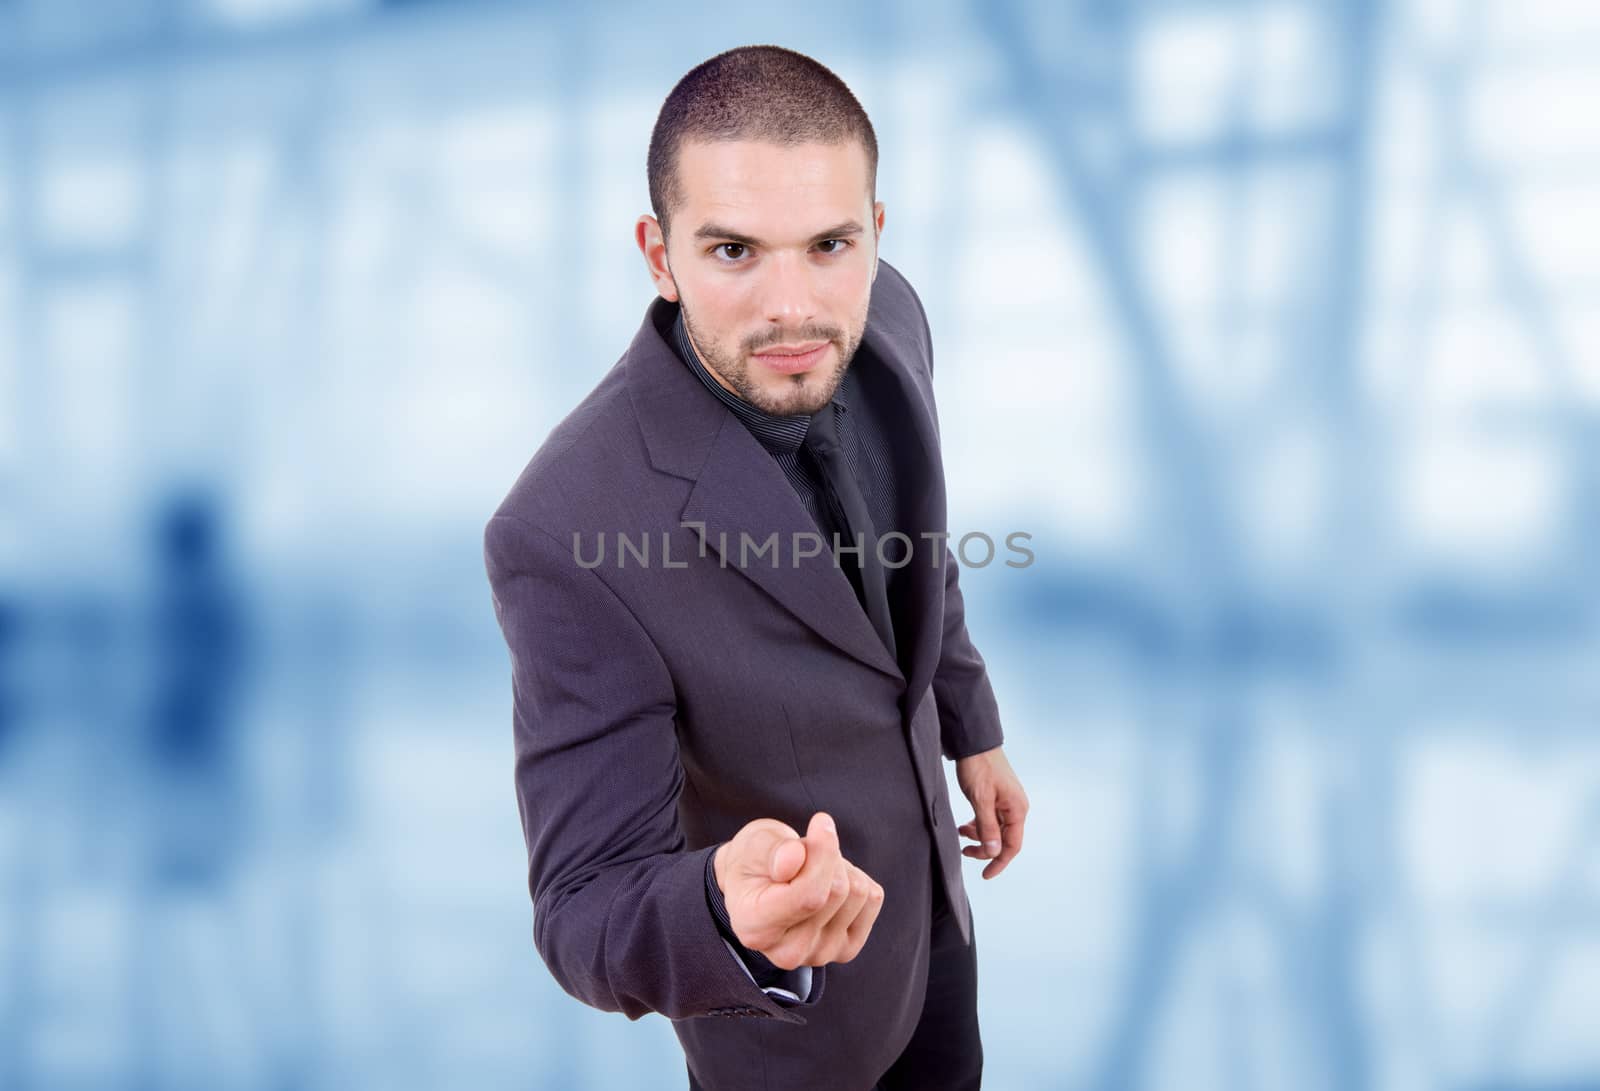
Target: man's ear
652, 244
877, 237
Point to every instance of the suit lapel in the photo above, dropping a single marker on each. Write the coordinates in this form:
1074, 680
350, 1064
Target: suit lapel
741, 493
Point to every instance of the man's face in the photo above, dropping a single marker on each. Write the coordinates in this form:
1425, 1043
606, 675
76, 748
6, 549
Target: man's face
772, 258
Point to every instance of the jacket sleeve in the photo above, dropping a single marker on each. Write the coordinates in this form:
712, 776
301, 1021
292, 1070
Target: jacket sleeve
619, 902
969, 716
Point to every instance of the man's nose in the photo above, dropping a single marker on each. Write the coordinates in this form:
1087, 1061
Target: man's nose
789, 295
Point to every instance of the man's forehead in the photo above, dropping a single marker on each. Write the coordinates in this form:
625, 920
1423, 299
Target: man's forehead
733, 166
751, 189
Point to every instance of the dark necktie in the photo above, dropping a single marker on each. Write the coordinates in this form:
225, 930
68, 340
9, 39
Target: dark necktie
848, 508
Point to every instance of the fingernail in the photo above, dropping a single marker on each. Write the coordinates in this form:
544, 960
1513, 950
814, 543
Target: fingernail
827, 824
995, 845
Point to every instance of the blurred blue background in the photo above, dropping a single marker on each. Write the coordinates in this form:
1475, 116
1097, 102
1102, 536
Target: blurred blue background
1275, 322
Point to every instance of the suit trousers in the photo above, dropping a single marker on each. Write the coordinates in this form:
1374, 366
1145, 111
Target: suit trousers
945, 1052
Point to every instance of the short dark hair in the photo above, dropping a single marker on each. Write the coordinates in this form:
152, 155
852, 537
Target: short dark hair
754, 92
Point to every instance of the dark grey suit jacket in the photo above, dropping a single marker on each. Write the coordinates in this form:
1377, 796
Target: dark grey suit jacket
657, 709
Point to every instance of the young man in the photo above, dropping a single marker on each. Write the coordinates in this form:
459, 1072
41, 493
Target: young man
733, 615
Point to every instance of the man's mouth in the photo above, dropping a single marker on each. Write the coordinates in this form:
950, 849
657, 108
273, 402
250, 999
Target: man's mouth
793, 359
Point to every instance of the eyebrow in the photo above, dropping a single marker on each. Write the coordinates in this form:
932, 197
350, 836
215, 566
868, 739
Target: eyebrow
845, 230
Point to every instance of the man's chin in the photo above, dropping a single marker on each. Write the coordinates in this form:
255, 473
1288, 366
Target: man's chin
795, 406
794, 399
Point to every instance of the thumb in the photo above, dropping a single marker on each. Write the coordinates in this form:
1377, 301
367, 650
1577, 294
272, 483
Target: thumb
822, 830
786, 859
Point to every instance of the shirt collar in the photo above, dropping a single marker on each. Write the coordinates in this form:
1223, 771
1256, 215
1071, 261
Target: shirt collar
780, 435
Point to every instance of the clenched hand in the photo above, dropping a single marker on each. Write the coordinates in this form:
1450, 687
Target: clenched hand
796, 899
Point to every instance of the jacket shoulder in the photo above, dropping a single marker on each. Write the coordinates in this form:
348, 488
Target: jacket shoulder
585, 458
897, 308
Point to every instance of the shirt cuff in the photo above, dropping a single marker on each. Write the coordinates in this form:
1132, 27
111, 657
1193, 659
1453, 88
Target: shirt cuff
792, 985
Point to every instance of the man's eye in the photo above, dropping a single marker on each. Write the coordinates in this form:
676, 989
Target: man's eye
729, 248
838, 244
